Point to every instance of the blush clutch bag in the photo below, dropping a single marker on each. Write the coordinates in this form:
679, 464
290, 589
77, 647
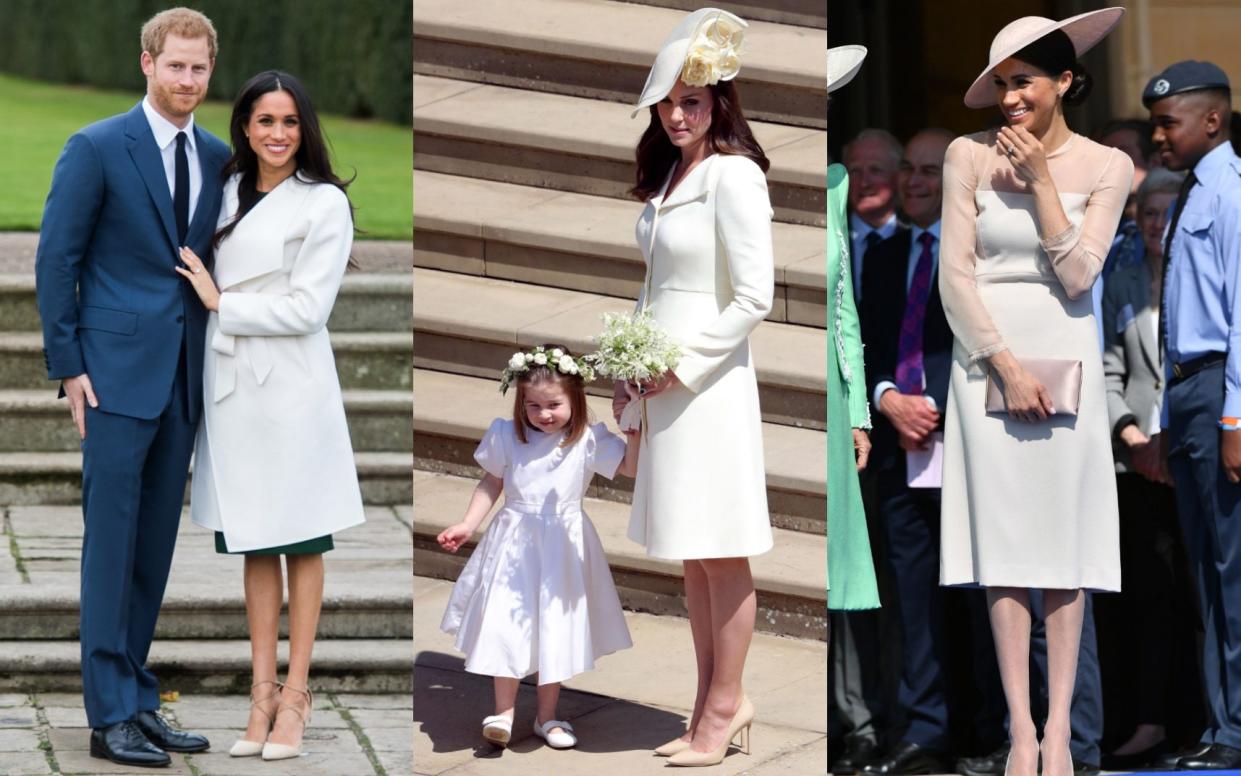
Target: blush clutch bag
1061, 377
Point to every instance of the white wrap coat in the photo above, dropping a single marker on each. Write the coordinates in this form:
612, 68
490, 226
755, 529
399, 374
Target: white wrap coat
273, 464
701, 486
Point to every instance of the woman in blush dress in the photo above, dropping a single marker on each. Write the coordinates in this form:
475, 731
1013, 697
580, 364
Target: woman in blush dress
1029, 496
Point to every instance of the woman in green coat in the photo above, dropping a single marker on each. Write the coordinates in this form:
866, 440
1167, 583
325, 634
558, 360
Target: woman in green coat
850, 568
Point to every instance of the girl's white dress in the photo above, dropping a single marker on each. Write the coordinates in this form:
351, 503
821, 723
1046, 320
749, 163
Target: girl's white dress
537, 594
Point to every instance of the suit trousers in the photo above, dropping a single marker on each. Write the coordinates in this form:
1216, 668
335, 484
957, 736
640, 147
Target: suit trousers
1210, 512
910, 518
133, 487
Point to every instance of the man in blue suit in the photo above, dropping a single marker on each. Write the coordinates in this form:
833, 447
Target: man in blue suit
123, 333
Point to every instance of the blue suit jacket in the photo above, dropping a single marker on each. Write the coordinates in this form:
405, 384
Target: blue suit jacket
110, 300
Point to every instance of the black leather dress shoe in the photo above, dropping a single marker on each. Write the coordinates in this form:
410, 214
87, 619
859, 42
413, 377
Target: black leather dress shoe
124, 743
987, 765
1136, 760
858, 754
1171, 760
1083, 768
1217, 758
168, 738
907, 758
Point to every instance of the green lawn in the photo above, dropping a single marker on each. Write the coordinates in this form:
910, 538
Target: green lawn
39, 117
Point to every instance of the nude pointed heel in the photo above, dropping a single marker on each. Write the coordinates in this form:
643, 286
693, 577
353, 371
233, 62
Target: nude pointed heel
740, 723
243, 747
274, 751
672, 747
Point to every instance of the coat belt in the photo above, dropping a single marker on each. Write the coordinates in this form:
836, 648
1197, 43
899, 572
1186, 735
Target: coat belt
256, 355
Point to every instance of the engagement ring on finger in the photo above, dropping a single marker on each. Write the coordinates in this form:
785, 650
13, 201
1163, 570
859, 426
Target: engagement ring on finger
197, 270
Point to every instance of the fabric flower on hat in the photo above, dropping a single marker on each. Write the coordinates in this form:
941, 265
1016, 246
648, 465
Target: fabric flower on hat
715, 54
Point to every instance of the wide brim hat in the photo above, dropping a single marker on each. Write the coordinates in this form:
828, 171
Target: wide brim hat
670, 62
1084, 30
843, 62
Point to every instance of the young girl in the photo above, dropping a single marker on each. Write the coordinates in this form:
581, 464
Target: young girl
537, 594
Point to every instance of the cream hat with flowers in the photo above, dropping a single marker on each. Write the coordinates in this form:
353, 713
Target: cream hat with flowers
1084, 30
704, 49
843, 62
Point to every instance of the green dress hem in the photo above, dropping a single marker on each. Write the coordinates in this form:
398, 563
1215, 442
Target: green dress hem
314, 546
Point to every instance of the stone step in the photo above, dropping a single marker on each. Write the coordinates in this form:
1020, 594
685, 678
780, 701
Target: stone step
36, 421
790, 580
804, 13
367, 302
364, 360
452, 412
56, 478
471, 325
351, 610
572, 47
215, 666
558, 141
579, 242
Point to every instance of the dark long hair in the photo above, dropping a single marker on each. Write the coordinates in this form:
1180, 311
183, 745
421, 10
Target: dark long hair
314, 162
729, 133
1053, 54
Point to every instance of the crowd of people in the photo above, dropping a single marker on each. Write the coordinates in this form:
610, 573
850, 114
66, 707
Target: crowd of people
997, 537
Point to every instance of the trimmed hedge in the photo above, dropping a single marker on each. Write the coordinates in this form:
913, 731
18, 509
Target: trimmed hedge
355, 56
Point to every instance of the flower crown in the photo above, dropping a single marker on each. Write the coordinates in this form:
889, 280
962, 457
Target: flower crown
714, 54
556, 359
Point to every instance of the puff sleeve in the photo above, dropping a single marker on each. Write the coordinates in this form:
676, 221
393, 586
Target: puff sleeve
604, 450
492, 452
743, 226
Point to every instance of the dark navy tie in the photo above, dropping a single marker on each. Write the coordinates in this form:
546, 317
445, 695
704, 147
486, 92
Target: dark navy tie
1181, 199
181, 191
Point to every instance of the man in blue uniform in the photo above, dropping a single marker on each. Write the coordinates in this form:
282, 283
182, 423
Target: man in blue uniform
1200, 322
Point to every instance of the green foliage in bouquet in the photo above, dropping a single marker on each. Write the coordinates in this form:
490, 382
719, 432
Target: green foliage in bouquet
634, 348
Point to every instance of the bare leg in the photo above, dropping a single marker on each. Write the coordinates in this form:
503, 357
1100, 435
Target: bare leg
305, 600
1064, 612
698, 602
506, 695
733, 607
1010, 626
548, 696
264, 586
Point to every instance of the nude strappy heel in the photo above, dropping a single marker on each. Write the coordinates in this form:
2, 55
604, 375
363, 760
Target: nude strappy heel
274, 751
243, 747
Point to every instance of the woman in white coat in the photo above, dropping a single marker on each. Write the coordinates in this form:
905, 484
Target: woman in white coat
700, 495
273, 468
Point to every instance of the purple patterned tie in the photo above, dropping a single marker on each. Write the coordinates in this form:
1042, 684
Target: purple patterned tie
909, 350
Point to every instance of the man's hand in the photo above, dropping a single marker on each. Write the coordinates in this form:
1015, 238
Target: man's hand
1230, 454
79, 392
913, 416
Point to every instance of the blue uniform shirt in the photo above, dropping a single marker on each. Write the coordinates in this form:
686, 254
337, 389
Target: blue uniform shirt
1203, 297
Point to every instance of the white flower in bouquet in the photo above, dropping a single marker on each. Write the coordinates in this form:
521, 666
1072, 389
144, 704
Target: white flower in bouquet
633, 348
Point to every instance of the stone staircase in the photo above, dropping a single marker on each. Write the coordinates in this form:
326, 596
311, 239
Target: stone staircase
365, 627
523, 233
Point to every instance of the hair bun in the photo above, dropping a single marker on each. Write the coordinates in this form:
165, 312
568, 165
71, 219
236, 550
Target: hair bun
1079, 90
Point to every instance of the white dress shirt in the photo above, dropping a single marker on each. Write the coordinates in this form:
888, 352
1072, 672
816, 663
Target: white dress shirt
858, 231
166, 138
915, 252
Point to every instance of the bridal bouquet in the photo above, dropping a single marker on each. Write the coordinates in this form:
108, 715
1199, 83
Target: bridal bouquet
633, 348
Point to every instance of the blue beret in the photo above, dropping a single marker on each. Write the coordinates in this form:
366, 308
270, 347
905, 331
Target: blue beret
1188, 76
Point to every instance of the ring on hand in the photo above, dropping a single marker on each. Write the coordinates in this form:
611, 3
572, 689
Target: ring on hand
197, 270
1011, 150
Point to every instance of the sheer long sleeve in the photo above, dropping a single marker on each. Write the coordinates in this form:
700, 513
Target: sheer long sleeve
967, 316
1077, 253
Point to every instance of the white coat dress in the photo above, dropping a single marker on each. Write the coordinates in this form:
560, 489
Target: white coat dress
273, 464
701, 487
